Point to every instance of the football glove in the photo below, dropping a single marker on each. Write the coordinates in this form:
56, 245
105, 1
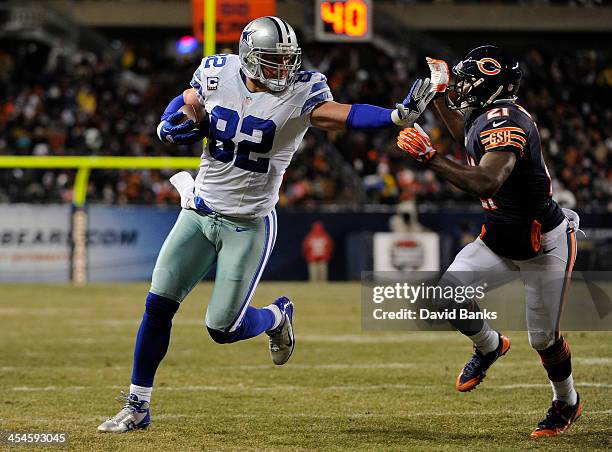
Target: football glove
172, 130
440, 75
414, 104
416, 143
185, 185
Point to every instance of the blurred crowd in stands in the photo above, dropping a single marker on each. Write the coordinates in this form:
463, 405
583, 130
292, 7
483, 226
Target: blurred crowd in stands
84, 104
575, 3
568, 95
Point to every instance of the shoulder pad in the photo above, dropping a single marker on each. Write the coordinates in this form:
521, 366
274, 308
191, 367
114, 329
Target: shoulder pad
211, 69
214, 65
313, 86
307, 78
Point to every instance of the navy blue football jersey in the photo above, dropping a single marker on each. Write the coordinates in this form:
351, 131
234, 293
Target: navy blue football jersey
523, 207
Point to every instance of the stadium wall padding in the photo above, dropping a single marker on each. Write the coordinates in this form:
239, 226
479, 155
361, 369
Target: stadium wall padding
124, 241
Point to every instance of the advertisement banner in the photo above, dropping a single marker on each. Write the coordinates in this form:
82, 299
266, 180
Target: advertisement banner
34, 243
123, 242
406, 251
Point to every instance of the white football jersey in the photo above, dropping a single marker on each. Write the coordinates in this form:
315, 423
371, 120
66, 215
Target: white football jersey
253, 136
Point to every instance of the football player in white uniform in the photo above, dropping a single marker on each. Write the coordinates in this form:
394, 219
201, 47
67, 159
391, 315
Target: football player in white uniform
259, 106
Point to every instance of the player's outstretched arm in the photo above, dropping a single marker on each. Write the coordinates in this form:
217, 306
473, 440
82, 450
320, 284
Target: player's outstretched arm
332, 115
483, 180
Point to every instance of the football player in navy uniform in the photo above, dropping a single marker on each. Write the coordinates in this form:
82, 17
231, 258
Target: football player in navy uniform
525, 229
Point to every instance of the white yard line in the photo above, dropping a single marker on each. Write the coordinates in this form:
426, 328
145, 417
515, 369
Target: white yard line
592, 361
394, 415
579, 384
507, 362
275, 388
49, 388
399, 338
337, 366
297, 415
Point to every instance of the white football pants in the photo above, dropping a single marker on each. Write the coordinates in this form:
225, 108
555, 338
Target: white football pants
546, 277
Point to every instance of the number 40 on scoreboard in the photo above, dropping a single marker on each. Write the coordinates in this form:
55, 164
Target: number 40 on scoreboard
343, 20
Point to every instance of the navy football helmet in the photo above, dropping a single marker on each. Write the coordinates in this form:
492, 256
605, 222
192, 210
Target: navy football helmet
486, 74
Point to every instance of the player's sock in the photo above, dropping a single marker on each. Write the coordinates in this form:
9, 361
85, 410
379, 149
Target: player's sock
486, 340
256, 321
278, 316
152, 339
142, 392
557, 360
564, 391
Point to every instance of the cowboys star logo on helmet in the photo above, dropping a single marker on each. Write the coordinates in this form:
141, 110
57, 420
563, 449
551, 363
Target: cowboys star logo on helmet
271, 43
246, 37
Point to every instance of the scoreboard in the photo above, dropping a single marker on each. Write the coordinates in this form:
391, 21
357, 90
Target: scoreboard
231, 17
343, 20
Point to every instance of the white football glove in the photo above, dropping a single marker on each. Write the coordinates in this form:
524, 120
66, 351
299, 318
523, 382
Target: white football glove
414, 104
440, 75
185, 185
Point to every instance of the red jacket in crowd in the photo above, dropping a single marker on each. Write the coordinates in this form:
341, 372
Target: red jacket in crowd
318, 245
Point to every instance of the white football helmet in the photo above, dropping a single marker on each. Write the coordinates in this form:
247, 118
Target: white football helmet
269, 52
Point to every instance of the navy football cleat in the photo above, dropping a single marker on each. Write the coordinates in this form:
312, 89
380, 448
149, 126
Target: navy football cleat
134, 415
476, 368
558, 419
282, 340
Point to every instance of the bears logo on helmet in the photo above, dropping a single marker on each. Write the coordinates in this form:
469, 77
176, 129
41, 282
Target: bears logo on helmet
486, 74
493, 62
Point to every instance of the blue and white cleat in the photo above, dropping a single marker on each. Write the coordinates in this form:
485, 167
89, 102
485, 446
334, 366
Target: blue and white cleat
134, 415
282, 341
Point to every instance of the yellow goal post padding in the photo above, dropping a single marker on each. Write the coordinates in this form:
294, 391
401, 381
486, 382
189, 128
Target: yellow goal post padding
84, 165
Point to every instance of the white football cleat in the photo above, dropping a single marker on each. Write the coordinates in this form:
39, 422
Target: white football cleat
134, 415
282, 340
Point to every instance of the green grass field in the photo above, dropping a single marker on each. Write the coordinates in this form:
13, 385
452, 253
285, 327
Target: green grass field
66, 353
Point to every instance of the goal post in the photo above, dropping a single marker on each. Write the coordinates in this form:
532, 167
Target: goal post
210, 27
84, 165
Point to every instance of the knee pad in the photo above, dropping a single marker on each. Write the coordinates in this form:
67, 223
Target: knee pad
160, 309
541, 340
223, 337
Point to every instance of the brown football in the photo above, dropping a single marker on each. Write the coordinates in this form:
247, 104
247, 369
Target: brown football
197, 113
